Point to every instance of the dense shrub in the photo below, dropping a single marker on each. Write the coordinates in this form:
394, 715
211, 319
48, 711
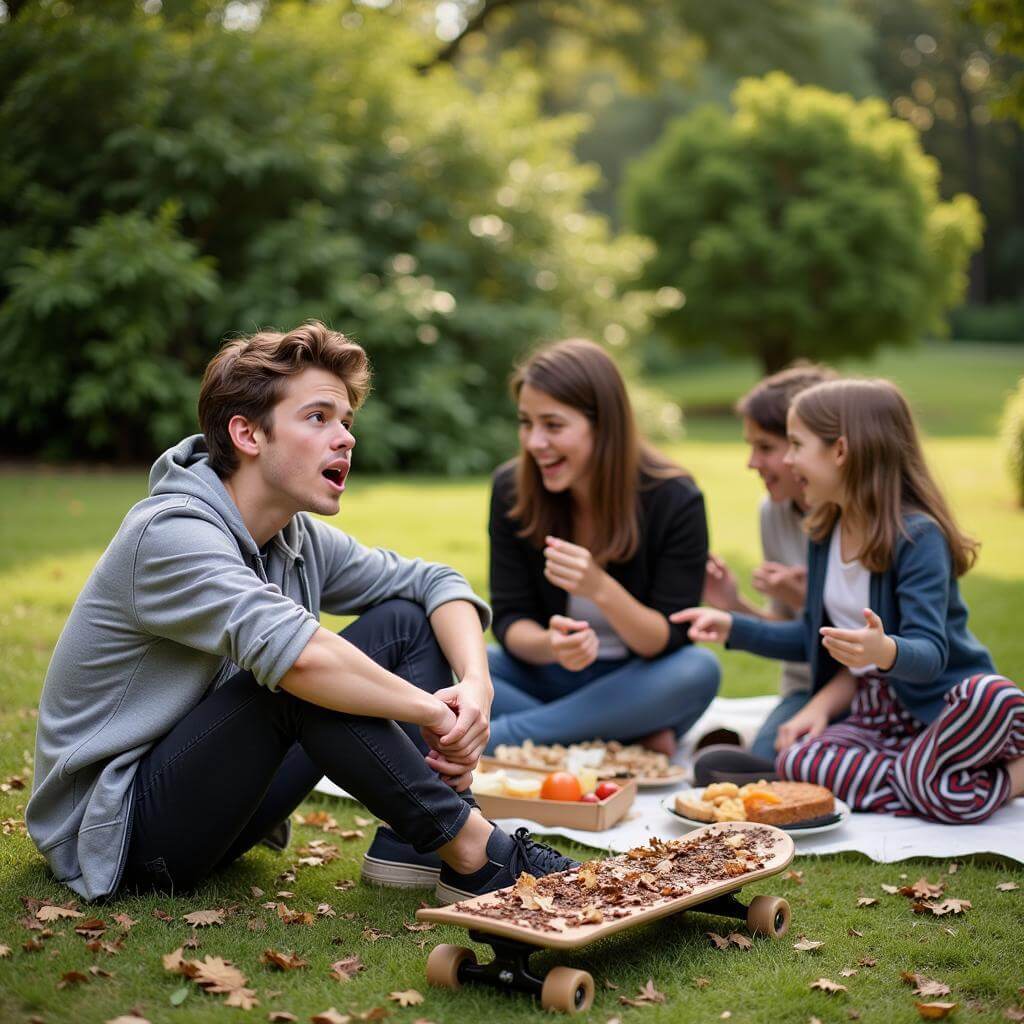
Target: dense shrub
1001, 321
803, 224
166, 185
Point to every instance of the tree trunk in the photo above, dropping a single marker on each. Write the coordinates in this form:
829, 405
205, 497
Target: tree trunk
774, 353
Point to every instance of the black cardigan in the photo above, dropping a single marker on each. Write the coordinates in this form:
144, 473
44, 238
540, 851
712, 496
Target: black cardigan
666, 573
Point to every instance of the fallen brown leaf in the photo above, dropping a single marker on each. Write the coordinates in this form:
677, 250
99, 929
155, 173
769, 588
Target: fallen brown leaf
805, 945
32, 945
1012, 1013
215, 974
701, 982
97, 972
125, 921
281, 1017
866, 901
848, 972
854, 933
826, 985
242, 998
92, 928
924, 986
70, 978
282, 961
410, 997
175, 962
794, 876
892, 890
720, 941
51, 913
1007, 886
162, 915
935, 1011
330, 1016
740, 941
646, 996
204, 918
867, 961
5, 952
418, 926
923, 889
344, 885
128, 1018
347, 968
375, 935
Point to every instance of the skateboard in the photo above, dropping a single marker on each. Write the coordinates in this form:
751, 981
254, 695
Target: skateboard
570, 990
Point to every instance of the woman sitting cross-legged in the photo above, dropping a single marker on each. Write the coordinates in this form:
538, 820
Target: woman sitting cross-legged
595, 538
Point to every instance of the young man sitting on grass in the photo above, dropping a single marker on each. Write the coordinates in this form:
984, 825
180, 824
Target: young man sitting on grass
194, 700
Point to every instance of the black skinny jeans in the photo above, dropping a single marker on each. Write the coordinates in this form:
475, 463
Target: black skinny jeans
244, 758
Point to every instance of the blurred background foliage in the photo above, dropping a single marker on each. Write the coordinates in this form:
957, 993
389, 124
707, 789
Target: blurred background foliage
444, 180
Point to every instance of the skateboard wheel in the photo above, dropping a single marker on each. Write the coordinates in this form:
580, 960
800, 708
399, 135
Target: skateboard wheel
567, 990
444, 962
768, 915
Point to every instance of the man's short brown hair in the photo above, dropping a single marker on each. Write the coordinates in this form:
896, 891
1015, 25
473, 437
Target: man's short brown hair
247, 378
768, 401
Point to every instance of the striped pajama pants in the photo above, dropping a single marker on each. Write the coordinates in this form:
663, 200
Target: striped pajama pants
881, 758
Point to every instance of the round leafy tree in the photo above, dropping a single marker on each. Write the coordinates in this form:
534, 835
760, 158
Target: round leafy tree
803, 224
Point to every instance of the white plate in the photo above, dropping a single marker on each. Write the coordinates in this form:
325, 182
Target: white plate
668, 804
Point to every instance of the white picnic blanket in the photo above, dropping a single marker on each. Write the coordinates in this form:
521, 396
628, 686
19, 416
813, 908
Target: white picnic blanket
883, 838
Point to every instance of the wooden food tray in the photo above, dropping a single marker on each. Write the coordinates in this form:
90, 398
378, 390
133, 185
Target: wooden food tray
462, 915
568, 813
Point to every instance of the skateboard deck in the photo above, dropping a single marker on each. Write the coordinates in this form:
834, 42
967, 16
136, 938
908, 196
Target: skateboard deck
514, 938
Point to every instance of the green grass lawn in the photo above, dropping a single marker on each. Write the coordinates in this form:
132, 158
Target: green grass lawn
55, 524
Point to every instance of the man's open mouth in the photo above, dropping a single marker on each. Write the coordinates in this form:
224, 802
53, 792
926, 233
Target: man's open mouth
336, 474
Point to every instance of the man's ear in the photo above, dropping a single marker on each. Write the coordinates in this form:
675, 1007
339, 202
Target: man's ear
245, 435
841, 449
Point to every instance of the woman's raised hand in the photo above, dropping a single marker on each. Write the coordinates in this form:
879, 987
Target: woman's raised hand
707, 625
720, 590
572, 568
573, 643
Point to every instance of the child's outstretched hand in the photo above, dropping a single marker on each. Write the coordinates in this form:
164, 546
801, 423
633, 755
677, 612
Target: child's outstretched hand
858, 648
707, 625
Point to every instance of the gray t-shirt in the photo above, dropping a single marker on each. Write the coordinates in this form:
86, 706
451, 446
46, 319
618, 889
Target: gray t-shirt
783, 540
609, 644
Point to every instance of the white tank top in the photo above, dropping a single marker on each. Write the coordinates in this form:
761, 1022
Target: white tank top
847, 593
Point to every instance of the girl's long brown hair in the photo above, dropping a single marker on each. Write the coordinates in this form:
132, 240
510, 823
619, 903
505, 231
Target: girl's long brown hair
885, 476
580, 374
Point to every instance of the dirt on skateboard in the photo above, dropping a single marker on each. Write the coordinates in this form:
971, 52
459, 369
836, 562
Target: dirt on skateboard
702, 871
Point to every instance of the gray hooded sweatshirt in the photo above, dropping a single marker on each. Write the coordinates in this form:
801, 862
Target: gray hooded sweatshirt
181, 599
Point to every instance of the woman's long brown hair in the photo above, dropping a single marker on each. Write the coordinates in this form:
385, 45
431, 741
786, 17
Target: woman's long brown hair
885, 476
580, 374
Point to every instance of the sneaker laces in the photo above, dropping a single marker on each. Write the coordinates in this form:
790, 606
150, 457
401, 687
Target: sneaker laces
533, 857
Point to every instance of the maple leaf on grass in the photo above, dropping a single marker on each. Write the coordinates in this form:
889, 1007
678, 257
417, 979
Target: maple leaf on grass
51, 913
282, 961
242, 998
806, 945
347, 968
175, 962
1007, 886
125, 922
720, 941
215, 974
923, 889
924, 986
5, 952
935, 1011
128, 1018
281, 1017
645, 997
866, 901
827, 985
410, 997
205, 918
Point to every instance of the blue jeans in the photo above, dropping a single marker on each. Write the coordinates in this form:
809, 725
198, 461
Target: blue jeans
622, 699
764, 741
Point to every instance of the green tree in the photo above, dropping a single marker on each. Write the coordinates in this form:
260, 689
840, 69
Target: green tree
803, 224
167, 184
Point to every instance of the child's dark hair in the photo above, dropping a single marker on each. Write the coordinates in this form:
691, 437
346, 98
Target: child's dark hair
768, 401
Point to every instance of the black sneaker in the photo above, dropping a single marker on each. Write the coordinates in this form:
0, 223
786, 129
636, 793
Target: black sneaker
507, 857
730, 764
279, 836
391, 861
